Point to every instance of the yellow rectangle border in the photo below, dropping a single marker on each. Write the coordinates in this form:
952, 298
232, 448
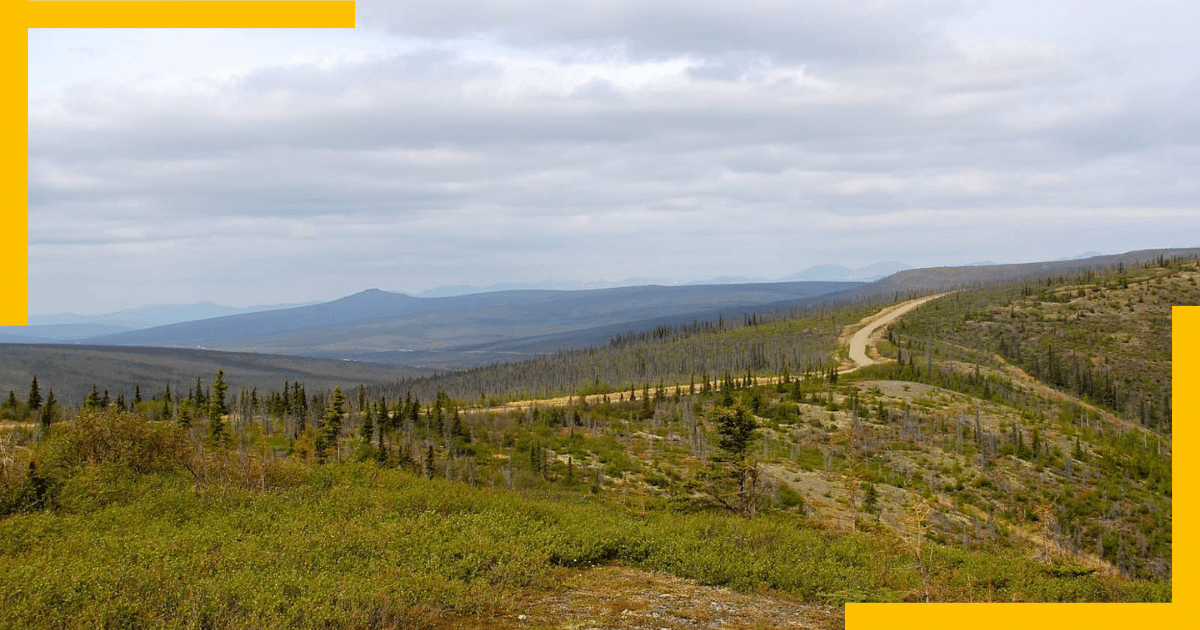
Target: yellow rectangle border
14, 296
189, 14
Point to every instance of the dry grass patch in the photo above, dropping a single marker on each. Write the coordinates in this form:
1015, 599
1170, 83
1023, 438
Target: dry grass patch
617, 597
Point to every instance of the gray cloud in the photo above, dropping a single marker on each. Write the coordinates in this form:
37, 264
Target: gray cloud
515, 141
824, 31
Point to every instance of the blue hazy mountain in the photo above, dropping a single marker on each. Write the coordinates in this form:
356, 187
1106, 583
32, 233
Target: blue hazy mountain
376, 321
147, 316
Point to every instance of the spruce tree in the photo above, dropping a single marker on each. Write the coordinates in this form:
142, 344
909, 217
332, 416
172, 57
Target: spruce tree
331, 425
35, 397
458, 429
871, 499
92, 401
166, 403
368, 425
46, 415
536, 459
383, 418
217, 409
300, 405
737, 430
385, 423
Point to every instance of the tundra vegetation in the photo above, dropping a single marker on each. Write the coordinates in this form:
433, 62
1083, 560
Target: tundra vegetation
999, 455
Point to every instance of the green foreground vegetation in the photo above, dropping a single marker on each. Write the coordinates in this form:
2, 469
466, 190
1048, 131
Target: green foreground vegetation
125, 525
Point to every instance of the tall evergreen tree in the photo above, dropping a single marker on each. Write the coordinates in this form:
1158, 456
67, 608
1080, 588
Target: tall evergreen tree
46, 415
35, 397
92, 401
300, 407
368, 425
535, 458
737, 430
330, 429
166, 403
198, 400
217, 409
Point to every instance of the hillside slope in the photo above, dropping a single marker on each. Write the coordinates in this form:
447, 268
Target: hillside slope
71, 370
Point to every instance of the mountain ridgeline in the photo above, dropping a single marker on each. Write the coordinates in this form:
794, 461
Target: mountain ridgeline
471, 329
382, 337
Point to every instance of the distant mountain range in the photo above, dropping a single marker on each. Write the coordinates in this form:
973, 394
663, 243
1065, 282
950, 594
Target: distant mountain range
819, 273
403, 335
55, 333
142, 317
472, 328
72, 327
545, 285
377, 325
50, 327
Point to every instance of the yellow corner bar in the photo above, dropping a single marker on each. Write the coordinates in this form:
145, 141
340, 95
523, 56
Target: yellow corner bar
14, 171
190, 14
23, 15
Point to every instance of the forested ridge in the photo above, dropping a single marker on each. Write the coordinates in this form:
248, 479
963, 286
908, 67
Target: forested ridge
1103, 335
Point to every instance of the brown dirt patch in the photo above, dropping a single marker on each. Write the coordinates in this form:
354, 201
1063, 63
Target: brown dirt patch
621, 597
624, 598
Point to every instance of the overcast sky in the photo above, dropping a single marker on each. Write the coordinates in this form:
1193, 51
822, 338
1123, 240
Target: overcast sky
682, 139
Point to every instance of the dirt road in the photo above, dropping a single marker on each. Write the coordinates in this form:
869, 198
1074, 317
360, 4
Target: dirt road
858, 342
858, 353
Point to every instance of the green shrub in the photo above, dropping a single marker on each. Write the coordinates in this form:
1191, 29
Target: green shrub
141, 445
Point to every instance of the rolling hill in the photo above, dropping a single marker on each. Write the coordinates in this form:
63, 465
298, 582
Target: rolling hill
378, 322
